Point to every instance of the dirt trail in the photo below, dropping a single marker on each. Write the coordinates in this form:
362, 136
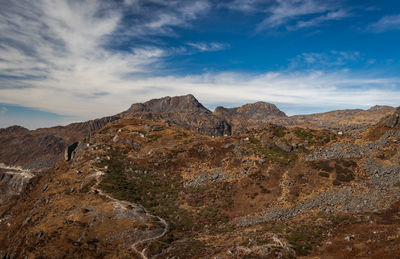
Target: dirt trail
126, 204
14, 168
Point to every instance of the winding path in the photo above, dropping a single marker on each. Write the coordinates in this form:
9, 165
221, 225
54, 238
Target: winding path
125, 204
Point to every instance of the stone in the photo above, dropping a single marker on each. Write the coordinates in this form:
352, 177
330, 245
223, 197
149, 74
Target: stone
157, 128
136, 145
393, 120
283, 146
229, 145
115, 139
70, 151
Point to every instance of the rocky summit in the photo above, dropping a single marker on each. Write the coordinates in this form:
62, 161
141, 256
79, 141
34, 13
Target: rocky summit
170, 179
184, 111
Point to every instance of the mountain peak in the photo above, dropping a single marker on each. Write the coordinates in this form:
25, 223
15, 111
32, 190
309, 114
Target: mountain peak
169, 104
257, 110
14, 129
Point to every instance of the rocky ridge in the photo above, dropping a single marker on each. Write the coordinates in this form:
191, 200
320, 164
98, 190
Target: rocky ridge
42, 148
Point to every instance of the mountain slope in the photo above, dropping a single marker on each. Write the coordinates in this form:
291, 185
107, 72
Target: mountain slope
42, 148
271, 192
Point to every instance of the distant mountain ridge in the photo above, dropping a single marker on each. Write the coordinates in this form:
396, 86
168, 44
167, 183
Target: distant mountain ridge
43, 147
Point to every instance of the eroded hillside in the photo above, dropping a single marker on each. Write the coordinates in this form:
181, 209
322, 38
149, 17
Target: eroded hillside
140, 188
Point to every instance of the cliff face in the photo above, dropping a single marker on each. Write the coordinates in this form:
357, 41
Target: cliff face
12, 182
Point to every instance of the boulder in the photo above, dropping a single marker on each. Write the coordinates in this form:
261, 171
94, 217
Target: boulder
393, 120
70, 151
283, 146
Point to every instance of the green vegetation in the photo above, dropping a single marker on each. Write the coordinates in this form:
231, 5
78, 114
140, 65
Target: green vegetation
212, 215
159, 193
337, 219
307, 135
302, 238
273, 153
255, 141
279, 131
156, 191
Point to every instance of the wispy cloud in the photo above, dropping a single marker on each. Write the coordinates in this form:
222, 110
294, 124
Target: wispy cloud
296, 14
332, 59
248, 6
58, 56
58, 51
205, 46
330, 16
156, 18
386, 23
313, 88
3, 110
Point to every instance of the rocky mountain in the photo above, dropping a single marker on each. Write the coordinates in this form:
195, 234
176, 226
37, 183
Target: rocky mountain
42, 148
185, 111
141, 188
348, 121
248, 115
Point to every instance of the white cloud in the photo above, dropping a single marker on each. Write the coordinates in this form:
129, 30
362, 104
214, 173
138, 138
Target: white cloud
204, 46
3, 110
389, 22
303, 13
334, 15
331, 59
247, 6
54, 56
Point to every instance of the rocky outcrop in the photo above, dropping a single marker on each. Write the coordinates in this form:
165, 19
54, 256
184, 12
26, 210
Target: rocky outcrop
207, 178
393, 120
249, 115
17, 181
186, 103
70, 151
255, 111
13, 181
185, 111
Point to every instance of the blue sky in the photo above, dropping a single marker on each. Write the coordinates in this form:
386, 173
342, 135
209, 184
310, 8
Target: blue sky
64, 61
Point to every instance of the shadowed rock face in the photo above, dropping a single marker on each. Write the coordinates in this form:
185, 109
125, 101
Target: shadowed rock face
69, 151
